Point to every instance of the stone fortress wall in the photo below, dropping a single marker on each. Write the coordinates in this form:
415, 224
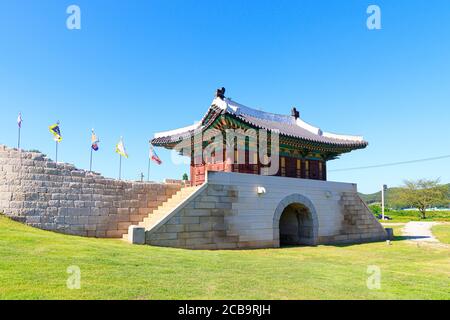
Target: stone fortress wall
59, 197
226, 212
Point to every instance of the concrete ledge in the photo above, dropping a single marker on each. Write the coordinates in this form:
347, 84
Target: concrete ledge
348, 239
136, 235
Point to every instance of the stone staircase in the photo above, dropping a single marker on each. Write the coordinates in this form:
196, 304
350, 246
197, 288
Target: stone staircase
165, 209
359, 223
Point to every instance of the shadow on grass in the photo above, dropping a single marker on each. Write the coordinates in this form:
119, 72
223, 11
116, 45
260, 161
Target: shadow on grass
344, 245
403, 238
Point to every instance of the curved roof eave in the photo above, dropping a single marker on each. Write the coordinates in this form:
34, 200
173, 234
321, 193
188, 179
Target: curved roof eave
287, 125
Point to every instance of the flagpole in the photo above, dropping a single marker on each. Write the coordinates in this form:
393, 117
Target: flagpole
18, 140
90, 162
56, 161
148, 170
120, 167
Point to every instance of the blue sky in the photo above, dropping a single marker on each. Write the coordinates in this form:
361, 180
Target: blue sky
139, 67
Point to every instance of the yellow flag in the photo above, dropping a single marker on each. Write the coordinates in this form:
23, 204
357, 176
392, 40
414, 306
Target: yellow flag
54, 129
120, 149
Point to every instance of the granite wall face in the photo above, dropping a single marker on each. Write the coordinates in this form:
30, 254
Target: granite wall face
228, 212
61, 198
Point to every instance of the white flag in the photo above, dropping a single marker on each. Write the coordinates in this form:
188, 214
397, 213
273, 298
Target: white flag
19, 120
120, 149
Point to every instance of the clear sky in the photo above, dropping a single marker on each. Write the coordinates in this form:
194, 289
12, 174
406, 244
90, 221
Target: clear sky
139, 67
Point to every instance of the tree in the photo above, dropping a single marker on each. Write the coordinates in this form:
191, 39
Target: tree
423, 194
185, 177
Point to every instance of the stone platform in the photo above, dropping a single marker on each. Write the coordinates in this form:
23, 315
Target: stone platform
230, 212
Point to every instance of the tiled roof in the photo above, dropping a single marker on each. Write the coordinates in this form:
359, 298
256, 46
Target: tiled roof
295, 131
285, 125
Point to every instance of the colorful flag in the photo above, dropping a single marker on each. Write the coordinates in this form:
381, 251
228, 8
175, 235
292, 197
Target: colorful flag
19, 120
95, 141
154, 157
120, 148
54, 129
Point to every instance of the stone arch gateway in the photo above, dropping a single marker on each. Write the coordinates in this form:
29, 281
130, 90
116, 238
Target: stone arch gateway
295, 221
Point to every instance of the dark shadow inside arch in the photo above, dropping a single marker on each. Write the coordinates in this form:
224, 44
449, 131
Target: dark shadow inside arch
296, 226
296, 222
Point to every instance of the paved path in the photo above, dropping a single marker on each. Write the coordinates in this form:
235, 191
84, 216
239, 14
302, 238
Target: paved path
420, 232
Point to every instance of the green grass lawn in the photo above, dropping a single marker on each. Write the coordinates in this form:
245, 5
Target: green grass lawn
33, 265
442, 232
407, 216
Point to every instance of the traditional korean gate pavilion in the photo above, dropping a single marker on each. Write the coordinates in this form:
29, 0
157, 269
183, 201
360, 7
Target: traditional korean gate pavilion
303, 149
260, 181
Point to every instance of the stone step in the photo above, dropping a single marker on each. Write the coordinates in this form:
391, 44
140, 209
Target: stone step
145, 223
167, 207
172, 202
148, 223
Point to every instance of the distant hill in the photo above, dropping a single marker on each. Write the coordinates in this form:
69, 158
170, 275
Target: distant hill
376, 197
390, 194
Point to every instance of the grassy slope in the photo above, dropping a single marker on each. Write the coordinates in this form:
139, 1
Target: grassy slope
33, 266
442, 232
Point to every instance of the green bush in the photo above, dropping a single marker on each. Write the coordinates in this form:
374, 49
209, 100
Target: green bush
375, 208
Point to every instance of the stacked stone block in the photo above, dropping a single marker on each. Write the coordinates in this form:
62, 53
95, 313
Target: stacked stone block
359, 224
202, 223
59, 197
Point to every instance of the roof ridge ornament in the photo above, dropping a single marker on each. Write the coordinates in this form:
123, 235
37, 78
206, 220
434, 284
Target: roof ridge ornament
295, 113
220, 93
